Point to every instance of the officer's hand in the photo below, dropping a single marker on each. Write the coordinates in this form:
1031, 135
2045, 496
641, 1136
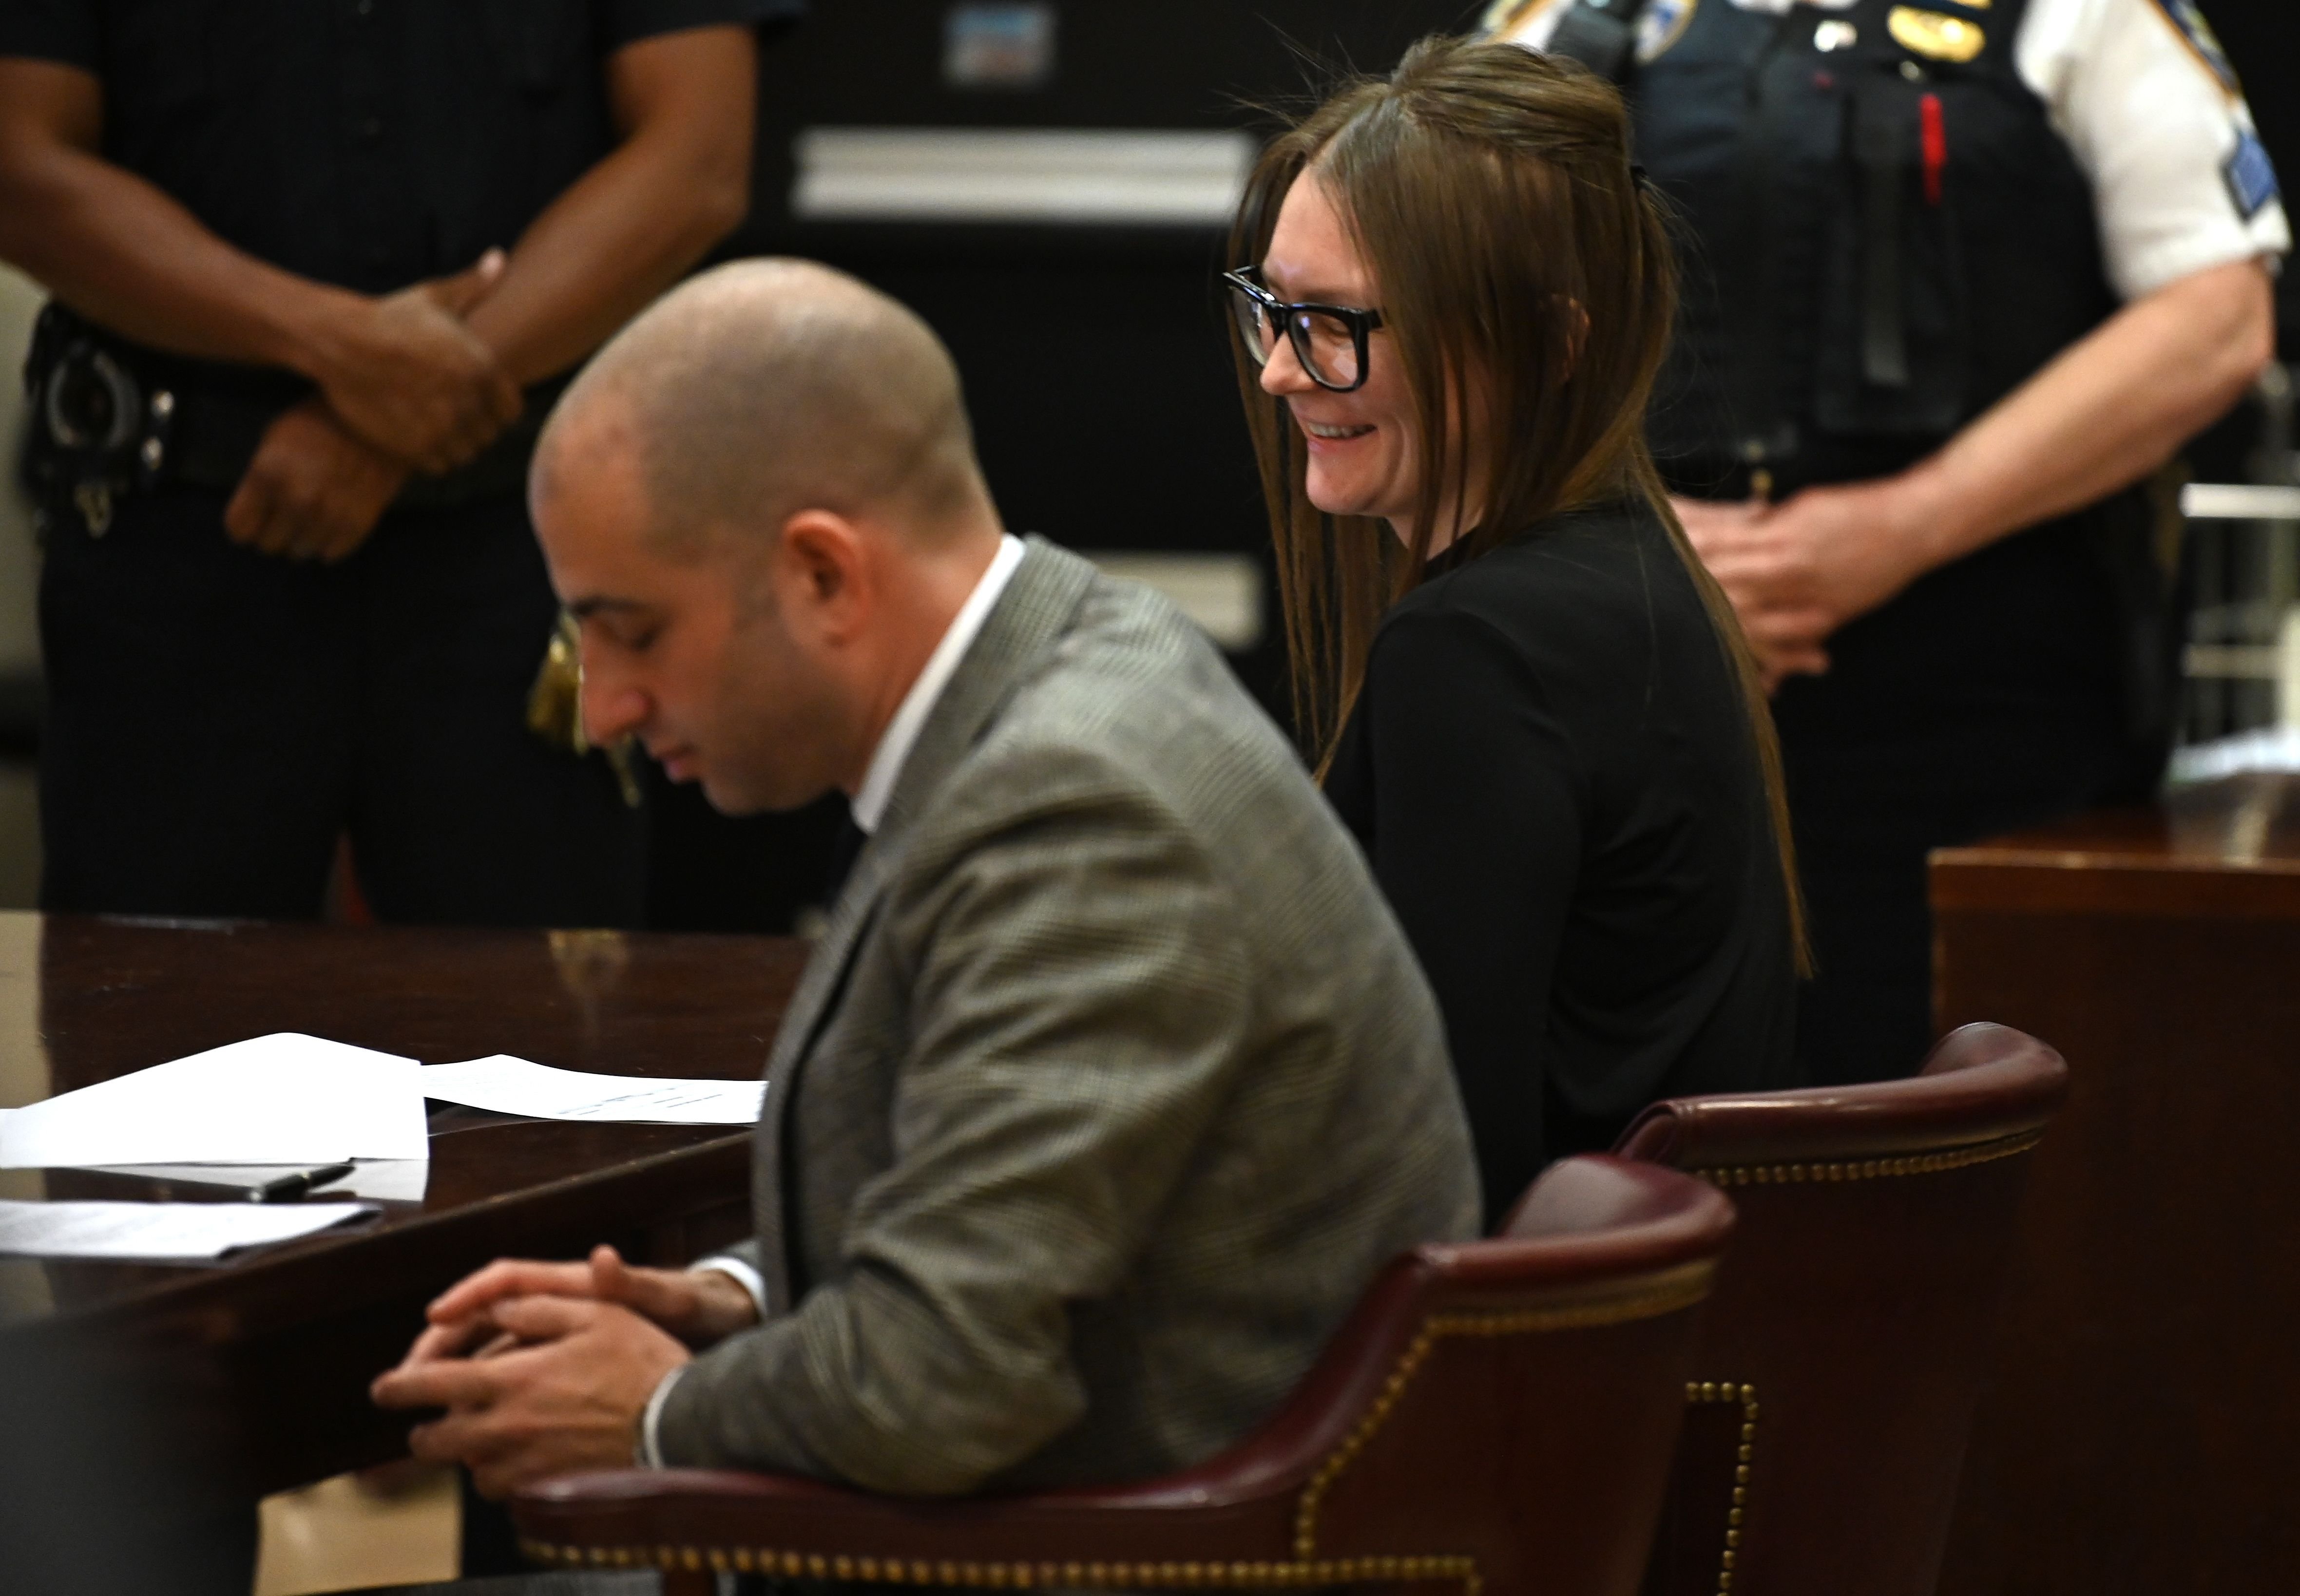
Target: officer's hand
405, 374
1797, 570
313, 491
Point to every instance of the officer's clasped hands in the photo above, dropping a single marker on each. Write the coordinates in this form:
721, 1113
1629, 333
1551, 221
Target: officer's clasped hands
1799, 569
315, 490
405, 373
403, 386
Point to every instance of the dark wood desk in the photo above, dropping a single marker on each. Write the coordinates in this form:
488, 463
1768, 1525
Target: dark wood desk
267, 1360
2142, 1430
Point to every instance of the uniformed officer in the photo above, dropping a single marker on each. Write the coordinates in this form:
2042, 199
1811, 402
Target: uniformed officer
315, 263
1961, 274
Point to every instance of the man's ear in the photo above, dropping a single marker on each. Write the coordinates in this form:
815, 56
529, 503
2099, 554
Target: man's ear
824, 579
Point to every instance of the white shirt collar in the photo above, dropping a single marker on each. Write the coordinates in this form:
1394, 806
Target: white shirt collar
894, 750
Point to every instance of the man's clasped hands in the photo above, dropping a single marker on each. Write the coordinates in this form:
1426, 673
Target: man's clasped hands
403, 386
546, 1368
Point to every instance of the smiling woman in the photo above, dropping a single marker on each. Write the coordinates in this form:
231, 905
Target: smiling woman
1531, 704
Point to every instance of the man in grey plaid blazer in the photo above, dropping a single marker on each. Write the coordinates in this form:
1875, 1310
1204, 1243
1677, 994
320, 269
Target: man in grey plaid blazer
1112, 1083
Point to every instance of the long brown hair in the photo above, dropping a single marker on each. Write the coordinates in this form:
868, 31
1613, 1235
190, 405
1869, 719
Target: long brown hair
1527, 279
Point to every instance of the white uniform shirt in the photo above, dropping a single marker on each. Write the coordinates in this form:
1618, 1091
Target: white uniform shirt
2150, 121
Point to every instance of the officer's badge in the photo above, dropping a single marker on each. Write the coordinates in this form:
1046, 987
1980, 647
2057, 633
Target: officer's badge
1504, 17
2198, 33
1939, 37
1661, 24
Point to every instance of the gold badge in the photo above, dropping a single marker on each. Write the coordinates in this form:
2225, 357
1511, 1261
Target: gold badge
1929, 33
1504, 17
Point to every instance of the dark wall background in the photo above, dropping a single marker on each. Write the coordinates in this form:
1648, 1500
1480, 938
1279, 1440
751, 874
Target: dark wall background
1097, 367
1095, 362
1095, 359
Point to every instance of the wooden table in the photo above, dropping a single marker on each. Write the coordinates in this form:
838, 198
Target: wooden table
2143, 1431
266, 1360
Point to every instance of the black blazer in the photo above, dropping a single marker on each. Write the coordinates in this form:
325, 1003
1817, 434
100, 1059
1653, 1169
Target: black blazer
1551, 770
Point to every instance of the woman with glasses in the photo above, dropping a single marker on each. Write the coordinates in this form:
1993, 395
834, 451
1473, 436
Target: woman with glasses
1526, 698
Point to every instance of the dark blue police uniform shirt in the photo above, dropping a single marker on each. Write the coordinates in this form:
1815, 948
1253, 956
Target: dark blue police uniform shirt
365, 143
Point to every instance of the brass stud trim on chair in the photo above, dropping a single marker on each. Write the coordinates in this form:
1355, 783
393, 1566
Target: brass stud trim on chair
1927, 1163
1697, 1392
1107, 1576
1681, 1289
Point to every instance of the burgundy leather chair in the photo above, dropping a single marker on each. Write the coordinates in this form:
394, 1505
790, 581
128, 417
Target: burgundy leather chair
1498, 1415
1844, 1348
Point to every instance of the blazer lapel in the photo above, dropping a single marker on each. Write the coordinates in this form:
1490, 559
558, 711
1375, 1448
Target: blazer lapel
812, 1007
1040, 598
1037, 608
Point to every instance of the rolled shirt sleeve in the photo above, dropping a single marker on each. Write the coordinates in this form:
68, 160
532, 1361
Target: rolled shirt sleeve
2155, 122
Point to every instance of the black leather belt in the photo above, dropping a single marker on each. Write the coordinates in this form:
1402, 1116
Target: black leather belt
216, 436
110, 419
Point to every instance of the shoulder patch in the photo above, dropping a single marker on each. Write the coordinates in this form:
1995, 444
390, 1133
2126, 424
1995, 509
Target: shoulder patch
2189, 23
1661, 24
2250, 174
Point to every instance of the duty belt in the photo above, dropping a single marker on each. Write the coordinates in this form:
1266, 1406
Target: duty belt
110, 419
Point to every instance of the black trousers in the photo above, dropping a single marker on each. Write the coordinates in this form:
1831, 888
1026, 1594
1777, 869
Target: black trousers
218, 717
1995, 694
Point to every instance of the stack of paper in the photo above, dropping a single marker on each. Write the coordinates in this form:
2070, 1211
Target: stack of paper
244, 1114
508, 1085
389, 1180
161, 1232
284, 1099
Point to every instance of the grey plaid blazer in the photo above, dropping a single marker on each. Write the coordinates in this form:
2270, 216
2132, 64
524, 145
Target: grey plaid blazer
1109, 1088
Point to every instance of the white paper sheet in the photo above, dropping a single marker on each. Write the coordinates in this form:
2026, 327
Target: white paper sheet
389, 1180
283, 1099
508, 1085
161, 1232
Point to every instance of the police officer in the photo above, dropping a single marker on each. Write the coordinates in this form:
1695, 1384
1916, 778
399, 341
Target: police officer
315, 265
1961, 274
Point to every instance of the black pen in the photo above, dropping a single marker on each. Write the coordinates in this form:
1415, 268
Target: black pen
286, 1187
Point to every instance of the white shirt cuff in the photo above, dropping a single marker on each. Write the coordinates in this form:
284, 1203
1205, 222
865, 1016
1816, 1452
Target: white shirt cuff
744, 1275
650, 1450
650, 1453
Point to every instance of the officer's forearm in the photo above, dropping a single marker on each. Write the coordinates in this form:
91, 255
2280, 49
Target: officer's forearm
2109, 411
120, 250
634, 223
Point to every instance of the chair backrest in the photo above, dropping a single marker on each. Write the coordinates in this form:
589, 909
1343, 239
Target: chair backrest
1845, 1346
1497, 1415
1514, 1402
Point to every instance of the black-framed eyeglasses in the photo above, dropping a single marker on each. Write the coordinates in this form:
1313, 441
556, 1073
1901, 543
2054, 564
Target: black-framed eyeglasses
1329, 340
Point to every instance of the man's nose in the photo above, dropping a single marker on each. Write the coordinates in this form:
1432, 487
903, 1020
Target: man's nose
612, 709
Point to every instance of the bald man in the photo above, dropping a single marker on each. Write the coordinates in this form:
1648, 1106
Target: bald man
1110, 1084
